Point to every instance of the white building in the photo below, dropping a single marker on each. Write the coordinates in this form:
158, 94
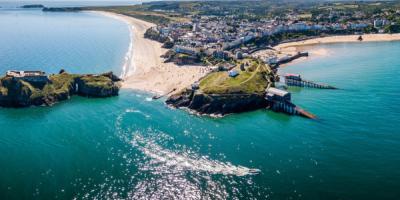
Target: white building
378, 23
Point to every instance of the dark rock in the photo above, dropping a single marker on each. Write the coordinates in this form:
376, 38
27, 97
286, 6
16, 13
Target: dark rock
19, 93
112, 76
65, 9
33, 6
98, 86
181, 100
217, 103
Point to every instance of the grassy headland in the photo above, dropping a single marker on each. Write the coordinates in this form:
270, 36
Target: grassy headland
253, 79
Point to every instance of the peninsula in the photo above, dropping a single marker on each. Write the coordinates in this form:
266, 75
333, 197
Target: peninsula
223, 57
35, 88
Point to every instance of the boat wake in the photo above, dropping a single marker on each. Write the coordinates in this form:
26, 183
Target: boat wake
159, 168
186, 161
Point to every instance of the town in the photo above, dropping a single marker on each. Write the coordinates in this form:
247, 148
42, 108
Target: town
227, 36
237, 43
204, 38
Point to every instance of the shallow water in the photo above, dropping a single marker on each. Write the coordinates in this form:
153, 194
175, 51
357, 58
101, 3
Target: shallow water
129, 147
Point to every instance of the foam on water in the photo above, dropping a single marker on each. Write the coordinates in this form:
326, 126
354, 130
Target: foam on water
181, 161
186, 160
128, 68
63, 153
167, 174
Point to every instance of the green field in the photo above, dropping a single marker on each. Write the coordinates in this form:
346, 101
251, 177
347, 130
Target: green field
254, 79
144, 13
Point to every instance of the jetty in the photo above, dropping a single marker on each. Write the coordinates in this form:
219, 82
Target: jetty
280, 101
296, 80
288, 59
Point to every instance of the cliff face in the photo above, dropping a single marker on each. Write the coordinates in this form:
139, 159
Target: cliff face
220, 93
96, 86
219, 104
15, 93
19, 93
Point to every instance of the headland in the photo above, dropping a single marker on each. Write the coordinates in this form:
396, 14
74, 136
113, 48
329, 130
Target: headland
191, 87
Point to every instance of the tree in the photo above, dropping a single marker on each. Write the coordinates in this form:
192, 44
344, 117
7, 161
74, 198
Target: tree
392, 29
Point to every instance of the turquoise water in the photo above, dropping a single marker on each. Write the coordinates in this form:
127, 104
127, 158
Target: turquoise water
131, 147
79, 42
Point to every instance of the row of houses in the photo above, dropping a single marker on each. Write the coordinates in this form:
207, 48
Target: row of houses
214, 35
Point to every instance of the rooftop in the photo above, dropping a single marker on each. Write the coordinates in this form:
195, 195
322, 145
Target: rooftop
276, 91
20, 74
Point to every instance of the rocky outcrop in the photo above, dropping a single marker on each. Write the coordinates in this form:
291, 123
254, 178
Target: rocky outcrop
19, 93
33, 6
96, 86
15, 93
63, 9
217, 104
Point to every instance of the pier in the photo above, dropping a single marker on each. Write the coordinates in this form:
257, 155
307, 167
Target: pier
296, 80
291, 58
280, 101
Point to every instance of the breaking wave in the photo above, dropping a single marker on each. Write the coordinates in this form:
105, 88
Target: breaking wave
128, 59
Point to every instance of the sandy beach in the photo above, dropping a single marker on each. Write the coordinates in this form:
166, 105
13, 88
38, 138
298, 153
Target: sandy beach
145, 70
309, 44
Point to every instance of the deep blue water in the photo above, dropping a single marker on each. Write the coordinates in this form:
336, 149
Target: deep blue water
131, 147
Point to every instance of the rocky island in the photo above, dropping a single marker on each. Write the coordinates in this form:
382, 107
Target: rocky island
35, 88
233, 89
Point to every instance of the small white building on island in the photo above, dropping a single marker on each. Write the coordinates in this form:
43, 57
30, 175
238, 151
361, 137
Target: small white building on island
28, 76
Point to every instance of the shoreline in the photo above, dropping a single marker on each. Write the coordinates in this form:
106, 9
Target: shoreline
311, 45
341, 39
144, 69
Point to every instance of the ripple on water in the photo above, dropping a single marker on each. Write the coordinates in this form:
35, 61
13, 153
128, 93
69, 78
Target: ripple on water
159, 172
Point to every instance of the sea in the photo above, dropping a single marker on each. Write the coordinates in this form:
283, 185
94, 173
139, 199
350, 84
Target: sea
133, 147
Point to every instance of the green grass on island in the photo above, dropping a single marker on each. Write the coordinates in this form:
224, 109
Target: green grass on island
19, 92
98, 81
59, 84
254, 79
62, 82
